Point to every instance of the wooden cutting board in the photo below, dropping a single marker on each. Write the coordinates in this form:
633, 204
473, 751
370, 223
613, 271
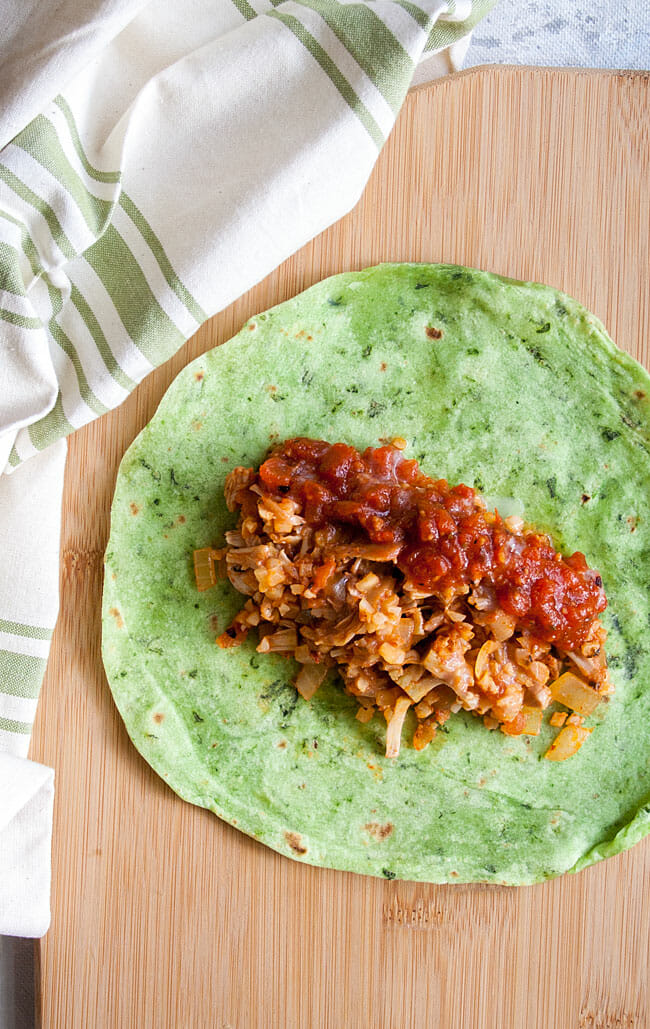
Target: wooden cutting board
165, 917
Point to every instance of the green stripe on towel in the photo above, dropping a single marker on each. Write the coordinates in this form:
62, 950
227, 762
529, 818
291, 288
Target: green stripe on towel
386, 62
336, 77
21, 675
31, 632
9, 725
94, 173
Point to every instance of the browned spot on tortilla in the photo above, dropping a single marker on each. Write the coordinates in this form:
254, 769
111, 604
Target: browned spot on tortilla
454, 875
252, 327
225, 460
159, 718
134, 507
585, 498
271, 389
382, 366
380, 832
631, 521
639, 394
181, 519
214, 623
295, 842
433, 333
197, 426
282, 744
310, 338
119, 621
198, 376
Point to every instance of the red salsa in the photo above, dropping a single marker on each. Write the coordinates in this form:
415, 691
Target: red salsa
447, 537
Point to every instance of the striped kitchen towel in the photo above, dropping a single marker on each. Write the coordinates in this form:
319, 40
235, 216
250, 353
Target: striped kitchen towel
158, 159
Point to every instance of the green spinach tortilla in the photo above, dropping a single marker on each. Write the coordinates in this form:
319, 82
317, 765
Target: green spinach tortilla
510, 387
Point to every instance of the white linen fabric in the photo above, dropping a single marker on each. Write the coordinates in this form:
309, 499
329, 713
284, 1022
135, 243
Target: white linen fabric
25, 836
158, 159
30, 517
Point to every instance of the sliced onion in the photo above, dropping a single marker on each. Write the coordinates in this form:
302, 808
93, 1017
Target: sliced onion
309, 678
567, 742
395, 723
574, 693
204, 572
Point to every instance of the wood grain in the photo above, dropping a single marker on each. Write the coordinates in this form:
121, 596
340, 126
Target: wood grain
165, 917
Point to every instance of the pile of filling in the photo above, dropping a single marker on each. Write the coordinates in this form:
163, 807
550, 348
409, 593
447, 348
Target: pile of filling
419, 596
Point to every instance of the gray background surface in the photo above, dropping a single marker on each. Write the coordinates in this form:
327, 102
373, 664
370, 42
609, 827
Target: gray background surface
17, 983
570, 33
